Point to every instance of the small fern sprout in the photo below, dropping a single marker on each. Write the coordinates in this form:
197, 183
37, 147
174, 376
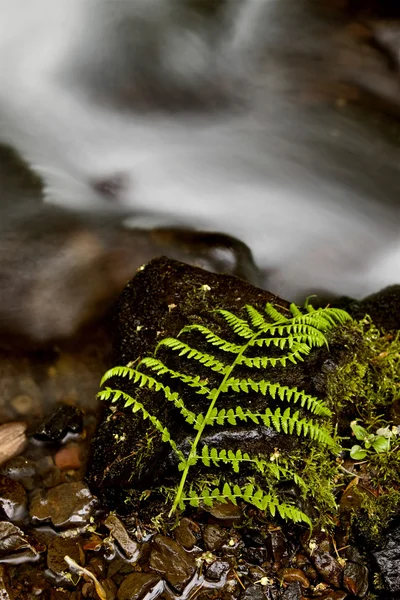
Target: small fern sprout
275, 340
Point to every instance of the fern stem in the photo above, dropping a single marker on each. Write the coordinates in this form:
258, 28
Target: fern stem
193, 451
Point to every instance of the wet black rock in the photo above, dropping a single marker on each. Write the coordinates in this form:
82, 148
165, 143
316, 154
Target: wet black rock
67, 505
388, 561
13, 500
63, 421
217, 570
383, 307
170, 560
355, 579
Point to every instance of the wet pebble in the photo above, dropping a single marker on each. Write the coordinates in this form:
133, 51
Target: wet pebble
13, 500
355, 579
214, 537
12, 440
67, 505
5, 587
16, 546
63, 421
187, 533
217, 570
137, 585
172, 561
129, 547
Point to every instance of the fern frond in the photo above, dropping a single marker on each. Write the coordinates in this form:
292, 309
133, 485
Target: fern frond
208, 360
151, 383
282, 392
275, 316
213, 339
239, 326
161, 369
286, 422
256, 318
258, 362
265, 502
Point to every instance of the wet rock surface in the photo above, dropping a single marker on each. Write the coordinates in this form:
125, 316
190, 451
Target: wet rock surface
170, 560
136, 585
66, 505
388, 561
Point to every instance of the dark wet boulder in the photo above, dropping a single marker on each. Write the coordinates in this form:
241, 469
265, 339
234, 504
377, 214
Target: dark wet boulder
383, 307
164, 297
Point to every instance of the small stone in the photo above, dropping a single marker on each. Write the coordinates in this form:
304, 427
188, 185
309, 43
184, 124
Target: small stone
217, 570
5, 588
67, 505
63, 421
214, 537
129, 547
68, 457
60, 548
355, 579
289, 575
12, 440
187, 533
13, 500
137, 585
172, 561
